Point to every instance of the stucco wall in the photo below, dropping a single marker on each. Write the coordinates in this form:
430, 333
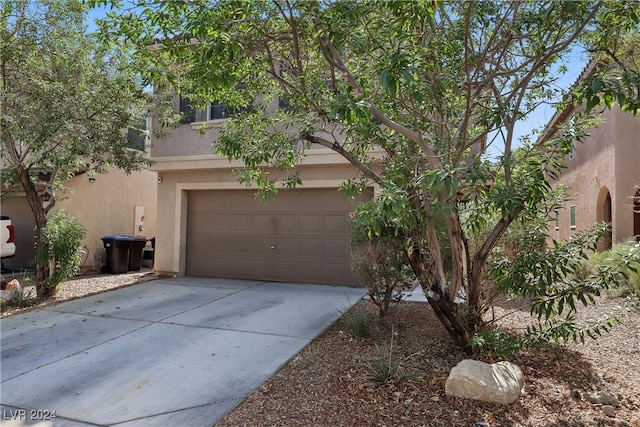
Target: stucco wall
107, 206
607, 161
627, 173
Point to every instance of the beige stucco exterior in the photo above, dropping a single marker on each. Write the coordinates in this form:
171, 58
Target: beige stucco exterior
184, 162
106, 206
607, 163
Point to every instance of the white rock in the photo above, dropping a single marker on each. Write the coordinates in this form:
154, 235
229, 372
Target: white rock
498, 383
603, 398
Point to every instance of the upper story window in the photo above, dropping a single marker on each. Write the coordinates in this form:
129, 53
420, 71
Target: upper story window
572, 217
214, 111
557, 225
217, 111
188, 112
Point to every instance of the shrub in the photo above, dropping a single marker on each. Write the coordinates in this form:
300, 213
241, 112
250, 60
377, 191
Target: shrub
357, 321
557, 280
62, 237
20, 298
626, 256
383, 368
379, 257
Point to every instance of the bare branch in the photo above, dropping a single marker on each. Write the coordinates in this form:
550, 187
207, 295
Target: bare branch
366, 170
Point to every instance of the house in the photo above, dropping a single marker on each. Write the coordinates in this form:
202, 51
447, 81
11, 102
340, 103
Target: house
210, 225
603, 178
112, 203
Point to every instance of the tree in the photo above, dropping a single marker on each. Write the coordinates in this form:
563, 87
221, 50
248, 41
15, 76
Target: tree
67, 102
433, 88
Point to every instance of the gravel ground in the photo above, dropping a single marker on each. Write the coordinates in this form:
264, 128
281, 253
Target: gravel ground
331, 382
79, 286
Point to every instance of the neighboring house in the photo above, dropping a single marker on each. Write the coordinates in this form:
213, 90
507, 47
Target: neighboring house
603, 178
213, 226
112, 203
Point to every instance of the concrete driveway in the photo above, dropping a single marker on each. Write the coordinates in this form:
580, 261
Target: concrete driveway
172, 352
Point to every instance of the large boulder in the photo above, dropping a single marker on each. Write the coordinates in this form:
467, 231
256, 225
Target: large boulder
498, 383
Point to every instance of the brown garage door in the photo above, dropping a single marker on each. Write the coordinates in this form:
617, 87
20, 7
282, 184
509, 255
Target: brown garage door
300, 236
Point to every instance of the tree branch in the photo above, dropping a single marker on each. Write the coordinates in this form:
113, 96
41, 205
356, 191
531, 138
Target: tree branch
366, 170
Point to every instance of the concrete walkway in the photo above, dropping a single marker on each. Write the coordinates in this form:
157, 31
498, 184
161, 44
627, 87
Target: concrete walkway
170, 352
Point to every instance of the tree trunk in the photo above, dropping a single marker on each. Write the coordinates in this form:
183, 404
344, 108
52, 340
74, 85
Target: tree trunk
40, 215
453, 320
444, 307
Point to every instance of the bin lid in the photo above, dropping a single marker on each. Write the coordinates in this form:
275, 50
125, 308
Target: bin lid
109, 238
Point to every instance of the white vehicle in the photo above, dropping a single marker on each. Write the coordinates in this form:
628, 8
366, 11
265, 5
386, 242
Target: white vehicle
7, 232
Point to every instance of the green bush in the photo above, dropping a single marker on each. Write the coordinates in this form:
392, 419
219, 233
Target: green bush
624, 256
557, 281
379, 257
62, 237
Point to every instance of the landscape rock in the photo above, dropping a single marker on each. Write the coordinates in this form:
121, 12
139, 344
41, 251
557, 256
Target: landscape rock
498, 383
8, 288
12, 285
603, 398
609, 411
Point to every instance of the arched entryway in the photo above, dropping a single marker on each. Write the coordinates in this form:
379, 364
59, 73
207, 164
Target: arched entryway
636, 215
605, 214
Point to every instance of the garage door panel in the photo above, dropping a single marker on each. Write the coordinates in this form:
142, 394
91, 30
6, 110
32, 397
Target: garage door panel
275, 223
334, 223
200, 223
309, 247
335, 248
300, 236
200, 243
286, 247
310, 272
286, 223
241, 246
286, 271
217, 222
262, 223
241, 223
335, 272
228, 267
310, 223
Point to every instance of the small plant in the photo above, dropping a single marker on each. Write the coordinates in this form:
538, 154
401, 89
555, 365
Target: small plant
20, 298
61, 251
358, 322
384, 368
496, 342
379, 257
